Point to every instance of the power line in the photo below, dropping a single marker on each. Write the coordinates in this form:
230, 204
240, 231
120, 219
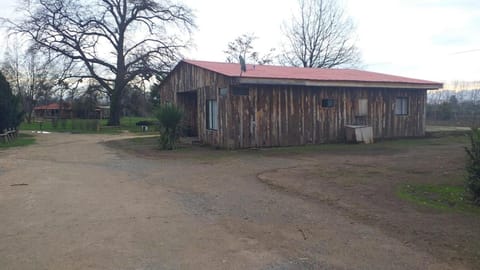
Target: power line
469, 51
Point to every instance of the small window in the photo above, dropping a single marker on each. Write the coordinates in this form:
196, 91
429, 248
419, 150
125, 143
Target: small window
240, 91
401, 106
223, 92
362, 109
212, 114
328, 103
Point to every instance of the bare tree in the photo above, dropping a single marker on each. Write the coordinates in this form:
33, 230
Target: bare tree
320, 36
32, 74
243, 46
11, 67
115, 40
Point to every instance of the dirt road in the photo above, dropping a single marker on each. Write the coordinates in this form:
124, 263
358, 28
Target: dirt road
69, 202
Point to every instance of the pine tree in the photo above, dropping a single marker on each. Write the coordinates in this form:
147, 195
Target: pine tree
10, 112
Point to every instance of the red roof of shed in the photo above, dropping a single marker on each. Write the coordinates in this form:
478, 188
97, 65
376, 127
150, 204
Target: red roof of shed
310, 74
52, 106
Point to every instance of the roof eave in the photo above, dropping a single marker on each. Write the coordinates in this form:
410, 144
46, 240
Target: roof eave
274, 81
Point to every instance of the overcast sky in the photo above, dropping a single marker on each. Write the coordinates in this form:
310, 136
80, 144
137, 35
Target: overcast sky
427, 39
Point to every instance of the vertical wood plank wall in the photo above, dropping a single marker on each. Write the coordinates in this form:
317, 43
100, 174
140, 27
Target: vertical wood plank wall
275, 115
293, 115
186, 80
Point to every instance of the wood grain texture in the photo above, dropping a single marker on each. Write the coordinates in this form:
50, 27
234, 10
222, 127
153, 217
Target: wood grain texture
279, 115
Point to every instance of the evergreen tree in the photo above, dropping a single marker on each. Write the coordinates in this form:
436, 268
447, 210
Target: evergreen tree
10, 112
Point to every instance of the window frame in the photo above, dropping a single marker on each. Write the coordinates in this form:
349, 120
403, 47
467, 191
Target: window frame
211, 114
223, 91
362, 107
241, 91
328, 103
402, 106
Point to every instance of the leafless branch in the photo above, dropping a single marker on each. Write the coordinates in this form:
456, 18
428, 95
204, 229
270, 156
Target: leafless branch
320, 36
243, 46
143, 36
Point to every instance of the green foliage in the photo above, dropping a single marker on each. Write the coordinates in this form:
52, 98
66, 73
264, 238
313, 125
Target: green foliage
443, 197
440, 112
473, 166
445, 111
10, 110
169, 117
21, 141
85, 107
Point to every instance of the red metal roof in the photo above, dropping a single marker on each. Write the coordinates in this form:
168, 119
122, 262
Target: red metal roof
310, 74
52, 106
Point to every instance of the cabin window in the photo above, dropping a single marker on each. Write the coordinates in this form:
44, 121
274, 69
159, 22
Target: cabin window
328, 103
223, 92
212, 114
362, 109
240, 91
401, 106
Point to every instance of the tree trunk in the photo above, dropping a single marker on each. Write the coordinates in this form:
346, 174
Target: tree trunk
29, 111
115, 108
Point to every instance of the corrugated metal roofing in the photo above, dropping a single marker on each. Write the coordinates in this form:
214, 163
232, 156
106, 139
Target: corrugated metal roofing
310, 74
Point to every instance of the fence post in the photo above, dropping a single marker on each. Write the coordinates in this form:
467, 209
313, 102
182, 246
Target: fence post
6, 139
10, 134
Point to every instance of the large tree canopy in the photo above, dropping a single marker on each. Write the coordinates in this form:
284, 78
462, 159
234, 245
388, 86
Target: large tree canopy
116, 41
320, 36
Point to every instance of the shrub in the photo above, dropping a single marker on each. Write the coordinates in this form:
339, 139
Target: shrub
63, 123
473, 166
169, 117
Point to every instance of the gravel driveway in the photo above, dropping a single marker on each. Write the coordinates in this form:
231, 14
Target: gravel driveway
70, 202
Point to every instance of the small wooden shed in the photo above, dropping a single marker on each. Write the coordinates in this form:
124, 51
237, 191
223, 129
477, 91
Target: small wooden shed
53, 110
267, 106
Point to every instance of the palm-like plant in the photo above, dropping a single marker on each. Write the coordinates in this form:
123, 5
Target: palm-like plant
169, 117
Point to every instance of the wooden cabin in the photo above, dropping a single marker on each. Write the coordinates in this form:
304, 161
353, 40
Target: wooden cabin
266, 106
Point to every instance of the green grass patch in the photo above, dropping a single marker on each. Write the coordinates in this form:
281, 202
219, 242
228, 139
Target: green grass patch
442, 197
68, 125
88, 126
20, 141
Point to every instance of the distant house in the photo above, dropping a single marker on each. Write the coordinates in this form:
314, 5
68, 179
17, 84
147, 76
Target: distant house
103, 112
280, 106
53, 110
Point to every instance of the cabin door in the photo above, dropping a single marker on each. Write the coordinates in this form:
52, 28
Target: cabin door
188, 102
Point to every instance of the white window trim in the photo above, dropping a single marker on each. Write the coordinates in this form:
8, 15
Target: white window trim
362, 107
402, 106
212, 114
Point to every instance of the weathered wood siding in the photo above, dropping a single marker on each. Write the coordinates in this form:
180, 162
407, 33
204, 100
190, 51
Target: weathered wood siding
187, 101
275, 115
293, 115
186, 80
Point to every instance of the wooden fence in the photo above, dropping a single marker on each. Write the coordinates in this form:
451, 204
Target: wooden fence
8, 135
